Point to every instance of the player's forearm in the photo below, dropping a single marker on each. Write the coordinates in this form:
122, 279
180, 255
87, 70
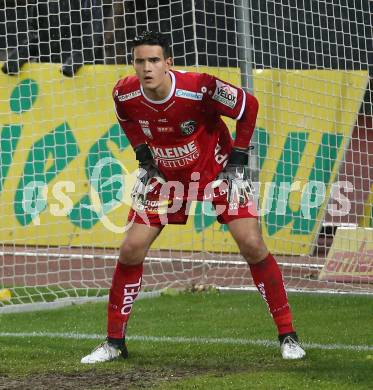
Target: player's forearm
246, 125
131, 130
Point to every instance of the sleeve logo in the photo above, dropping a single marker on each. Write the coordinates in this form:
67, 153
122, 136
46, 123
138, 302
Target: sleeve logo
225, 94
129, 96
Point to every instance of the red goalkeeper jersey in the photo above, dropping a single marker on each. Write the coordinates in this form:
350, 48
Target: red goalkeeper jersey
185, 131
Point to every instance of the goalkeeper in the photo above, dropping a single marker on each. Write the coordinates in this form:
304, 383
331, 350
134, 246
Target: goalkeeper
173, 121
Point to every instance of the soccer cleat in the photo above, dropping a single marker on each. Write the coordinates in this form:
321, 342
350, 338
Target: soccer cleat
105, 352
290, 348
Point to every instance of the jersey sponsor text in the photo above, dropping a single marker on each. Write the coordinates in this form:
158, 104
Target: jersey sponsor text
165, 129
183, 93
178, 156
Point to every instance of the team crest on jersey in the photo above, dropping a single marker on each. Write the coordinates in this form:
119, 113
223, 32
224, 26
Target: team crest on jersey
188, 127
145, 128
129, 96
225, 94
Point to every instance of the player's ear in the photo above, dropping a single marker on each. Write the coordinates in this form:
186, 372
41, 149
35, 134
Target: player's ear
169, 61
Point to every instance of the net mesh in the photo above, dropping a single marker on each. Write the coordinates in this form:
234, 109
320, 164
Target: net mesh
308, 62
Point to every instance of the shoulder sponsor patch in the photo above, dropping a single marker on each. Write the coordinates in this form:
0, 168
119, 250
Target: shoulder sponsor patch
183, 93
225, 94
129, 96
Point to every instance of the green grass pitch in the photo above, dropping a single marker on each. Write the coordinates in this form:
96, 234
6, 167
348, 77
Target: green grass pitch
193, 341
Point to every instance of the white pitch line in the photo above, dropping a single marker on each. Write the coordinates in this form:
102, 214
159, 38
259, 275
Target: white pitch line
190, 340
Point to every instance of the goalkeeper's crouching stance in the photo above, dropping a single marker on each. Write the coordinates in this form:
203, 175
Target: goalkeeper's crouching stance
173, 121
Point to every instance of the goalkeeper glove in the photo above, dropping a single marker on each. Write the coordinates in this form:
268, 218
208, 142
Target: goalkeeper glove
236, 176
148, 175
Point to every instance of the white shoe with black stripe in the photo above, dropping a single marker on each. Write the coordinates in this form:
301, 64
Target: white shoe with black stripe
105, 352
290, 347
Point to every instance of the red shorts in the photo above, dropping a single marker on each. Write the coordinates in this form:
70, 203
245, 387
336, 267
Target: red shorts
171, 212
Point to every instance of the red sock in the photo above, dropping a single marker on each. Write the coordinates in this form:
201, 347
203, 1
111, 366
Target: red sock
125, 287
268, 279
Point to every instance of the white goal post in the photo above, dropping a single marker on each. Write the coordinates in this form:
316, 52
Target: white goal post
66, 167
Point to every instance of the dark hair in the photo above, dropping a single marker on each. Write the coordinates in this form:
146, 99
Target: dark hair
153, 38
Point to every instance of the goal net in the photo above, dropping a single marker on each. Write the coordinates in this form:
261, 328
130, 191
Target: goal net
66, 167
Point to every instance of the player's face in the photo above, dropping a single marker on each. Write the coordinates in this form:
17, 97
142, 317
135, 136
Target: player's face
152, 70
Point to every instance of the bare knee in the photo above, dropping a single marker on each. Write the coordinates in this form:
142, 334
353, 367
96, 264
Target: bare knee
132, 252
137, 243
253, 249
